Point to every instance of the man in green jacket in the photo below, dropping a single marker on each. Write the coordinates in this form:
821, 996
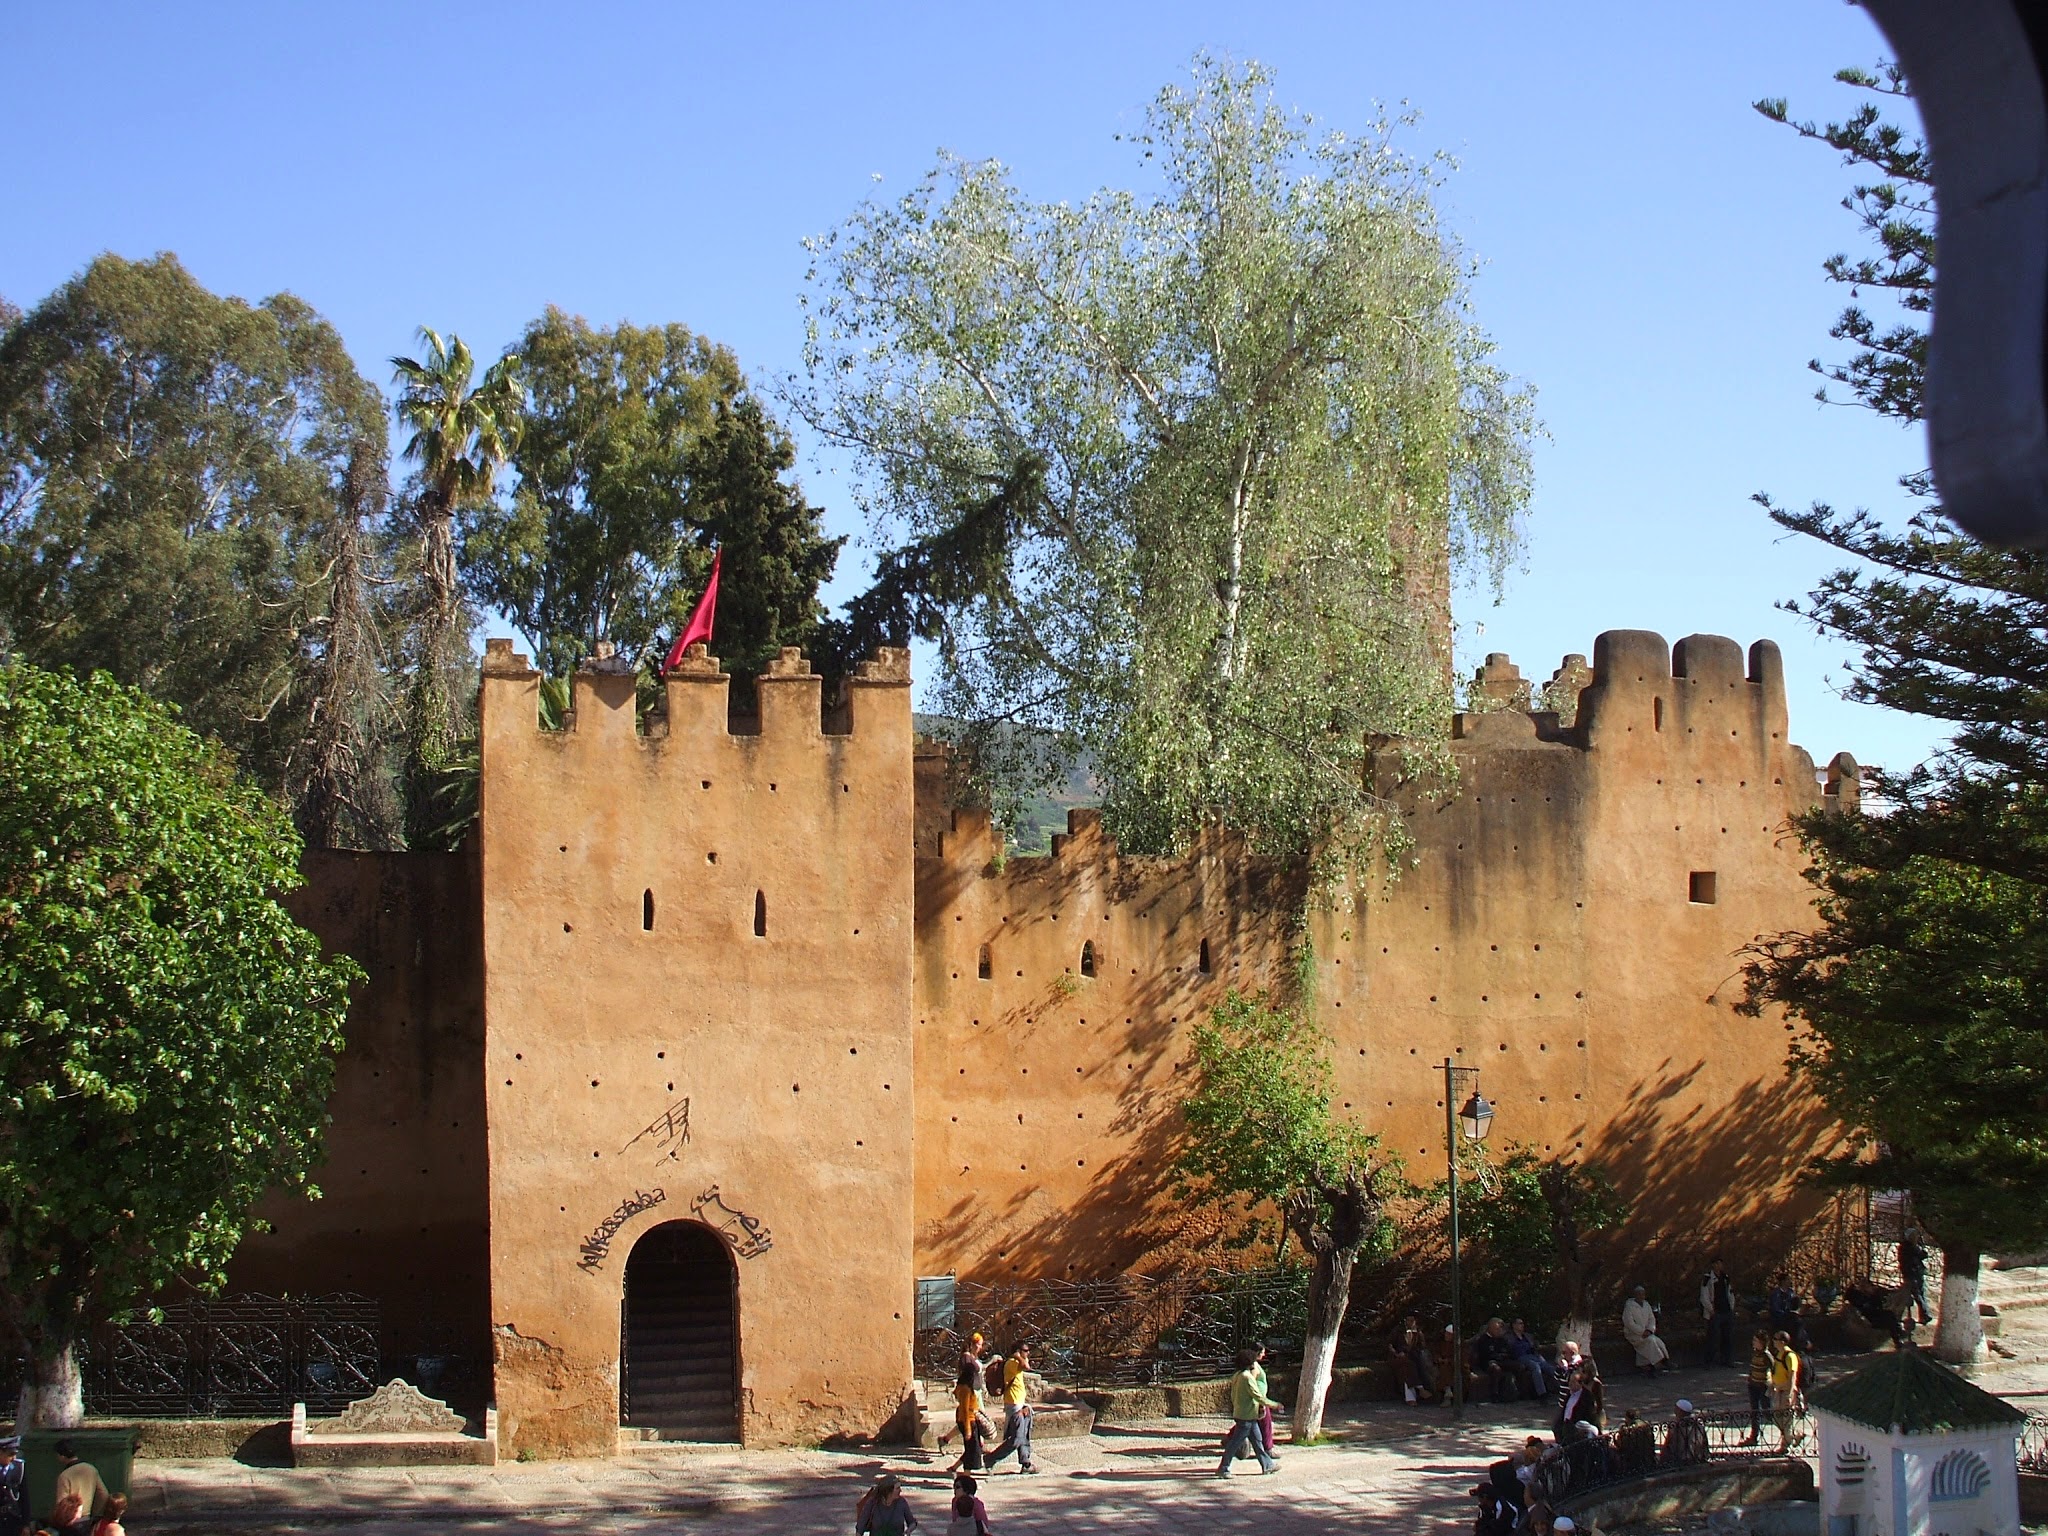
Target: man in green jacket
1247, 1400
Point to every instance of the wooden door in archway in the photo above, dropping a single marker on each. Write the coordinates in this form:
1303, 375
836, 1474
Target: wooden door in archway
679, 1335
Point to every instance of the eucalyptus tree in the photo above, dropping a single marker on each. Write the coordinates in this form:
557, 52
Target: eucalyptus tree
1257, 432
463, 428
640, 450
189, 485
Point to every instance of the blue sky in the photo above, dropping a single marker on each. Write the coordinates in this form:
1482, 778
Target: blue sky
1652, 246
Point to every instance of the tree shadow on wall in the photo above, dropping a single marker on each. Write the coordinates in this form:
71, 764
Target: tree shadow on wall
1127, 1032
1708, 1179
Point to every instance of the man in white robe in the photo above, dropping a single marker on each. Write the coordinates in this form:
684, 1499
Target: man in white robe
1639, 1327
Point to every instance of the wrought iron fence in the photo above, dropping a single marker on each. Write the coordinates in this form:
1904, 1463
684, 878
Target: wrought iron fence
1637, 1449
2033, 1446
1141, 1329
241, 1355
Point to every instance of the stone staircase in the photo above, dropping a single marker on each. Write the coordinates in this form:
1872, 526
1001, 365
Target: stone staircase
2019, 1296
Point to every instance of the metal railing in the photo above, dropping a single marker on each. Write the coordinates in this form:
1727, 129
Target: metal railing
1638, 1450
1143, 1329
2033, 1446
241, 1355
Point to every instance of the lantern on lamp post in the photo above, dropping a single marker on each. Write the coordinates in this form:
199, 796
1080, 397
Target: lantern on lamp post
1472, 1121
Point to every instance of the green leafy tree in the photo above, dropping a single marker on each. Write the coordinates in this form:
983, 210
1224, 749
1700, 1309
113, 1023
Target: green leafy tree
1212, 454
1921, 989
640, 451
1260, 1129
463, 428
187, 487
167, 1032
1530, 1220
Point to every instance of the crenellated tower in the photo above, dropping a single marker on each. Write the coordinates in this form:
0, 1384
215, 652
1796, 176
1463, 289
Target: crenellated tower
697, 963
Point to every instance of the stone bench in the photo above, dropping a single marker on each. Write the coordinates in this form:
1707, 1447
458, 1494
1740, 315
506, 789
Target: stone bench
395, 1426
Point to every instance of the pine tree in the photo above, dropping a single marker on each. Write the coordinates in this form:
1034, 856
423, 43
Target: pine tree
1922, 990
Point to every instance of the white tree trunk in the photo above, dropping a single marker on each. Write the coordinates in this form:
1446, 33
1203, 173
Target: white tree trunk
1318, 1356
1329, 1294
56, 1398
1576, 1330
1959, 1327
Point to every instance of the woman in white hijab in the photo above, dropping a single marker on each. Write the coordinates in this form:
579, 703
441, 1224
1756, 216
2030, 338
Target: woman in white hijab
1639, 1327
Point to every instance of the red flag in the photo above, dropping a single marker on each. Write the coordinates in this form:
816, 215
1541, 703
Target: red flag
701, 617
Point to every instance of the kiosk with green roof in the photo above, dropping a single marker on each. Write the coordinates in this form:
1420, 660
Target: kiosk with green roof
1909, 1448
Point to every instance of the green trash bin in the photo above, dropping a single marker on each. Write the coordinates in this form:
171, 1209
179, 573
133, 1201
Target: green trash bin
112, 1451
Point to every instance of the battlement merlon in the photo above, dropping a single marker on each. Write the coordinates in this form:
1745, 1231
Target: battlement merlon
1700, 687
603, 697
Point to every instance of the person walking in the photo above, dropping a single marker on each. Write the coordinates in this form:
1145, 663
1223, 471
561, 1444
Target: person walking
1246, 1400
1717, 1300
109, 1523
882, 1510
13, 1488
1639, 1327
970, 1516
1759, 1384
1913, 1270
1265, 1413
1016, 1411
968, 1421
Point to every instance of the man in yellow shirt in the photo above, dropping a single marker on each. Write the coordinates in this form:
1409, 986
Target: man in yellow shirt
1785, 1394
1016, 1411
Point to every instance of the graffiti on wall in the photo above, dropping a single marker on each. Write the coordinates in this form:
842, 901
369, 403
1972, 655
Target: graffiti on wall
666, 1134
599, 1244
747, 1235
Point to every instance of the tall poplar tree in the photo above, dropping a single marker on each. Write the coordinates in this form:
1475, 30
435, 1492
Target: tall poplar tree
1190, 469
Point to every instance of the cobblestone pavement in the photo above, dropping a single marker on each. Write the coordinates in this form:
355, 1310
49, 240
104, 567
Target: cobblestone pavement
1393, 1469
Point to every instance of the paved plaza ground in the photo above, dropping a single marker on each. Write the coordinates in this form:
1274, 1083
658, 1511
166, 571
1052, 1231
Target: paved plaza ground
1394, 1469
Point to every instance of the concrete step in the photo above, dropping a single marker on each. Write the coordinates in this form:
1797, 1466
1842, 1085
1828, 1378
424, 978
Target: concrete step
2014, 1291
678, 1436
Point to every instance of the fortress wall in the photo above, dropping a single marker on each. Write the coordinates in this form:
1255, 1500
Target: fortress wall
402, 1210
792, 1048
1546, 934
1045, 1095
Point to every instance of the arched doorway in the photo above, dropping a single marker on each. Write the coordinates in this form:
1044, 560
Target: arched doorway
679, 1335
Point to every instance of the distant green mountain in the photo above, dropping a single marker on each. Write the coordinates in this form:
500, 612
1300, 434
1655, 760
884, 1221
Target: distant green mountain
1044, 814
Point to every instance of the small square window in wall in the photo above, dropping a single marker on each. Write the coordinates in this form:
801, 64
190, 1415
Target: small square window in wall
1700, 887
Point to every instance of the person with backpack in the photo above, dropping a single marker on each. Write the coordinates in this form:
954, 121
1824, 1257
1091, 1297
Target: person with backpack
1015, 1378
970, 1517
882, 1510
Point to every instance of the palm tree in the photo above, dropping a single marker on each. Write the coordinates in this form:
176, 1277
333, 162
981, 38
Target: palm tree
463, 430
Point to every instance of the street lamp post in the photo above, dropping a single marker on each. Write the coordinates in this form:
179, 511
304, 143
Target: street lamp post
1474, 1119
